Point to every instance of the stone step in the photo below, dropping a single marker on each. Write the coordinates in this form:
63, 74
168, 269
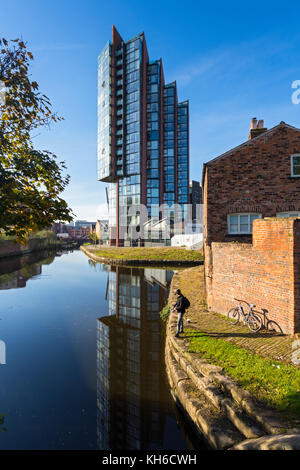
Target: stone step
278, 442
268, 420
208, 422
216, 397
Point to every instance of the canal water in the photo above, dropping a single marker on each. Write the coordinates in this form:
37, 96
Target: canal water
84, 351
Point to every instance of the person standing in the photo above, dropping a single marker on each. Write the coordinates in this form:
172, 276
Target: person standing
180, 306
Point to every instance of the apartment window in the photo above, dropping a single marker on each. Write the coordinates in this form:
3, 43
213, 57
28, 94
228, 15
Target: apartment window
241, 223
295, 165
288, 214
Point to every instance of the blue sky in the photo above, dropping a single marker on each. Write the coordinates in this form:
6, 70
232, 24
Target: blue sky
232, 60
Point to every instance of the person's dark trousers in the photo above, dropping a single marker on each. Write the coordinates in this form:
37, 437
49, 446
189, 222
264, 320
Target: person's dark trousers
179, 322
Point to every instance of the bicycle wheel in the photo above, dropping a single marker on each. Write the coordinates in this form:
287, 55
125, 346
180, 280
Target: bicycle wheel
233, 316
254, 322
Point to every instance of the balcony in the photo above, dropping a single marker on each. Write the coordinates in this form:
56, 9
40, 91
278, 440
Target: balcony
120, 102
119, 72
120, 112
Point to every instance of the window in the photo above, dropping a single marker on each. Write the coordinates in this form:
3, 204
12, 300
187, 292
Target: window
241, 223
295, 165
288, 214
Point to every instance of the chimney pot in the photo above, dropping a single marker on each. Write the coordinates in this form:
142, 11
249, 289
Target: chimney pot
256, 128
260, 124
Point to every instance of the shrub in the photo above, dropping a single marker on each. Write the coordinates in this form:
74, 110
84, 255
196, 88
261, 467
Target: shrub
165, 313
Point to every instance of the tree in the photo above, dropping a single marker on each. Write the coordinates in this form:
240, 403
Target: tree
30, 180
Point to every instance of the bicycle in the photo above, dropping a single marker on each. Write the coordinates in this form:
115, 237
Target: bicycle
253, 321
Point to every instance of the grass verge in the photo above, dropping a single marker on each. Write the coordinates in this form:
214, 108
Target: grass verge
166, 253
274, 383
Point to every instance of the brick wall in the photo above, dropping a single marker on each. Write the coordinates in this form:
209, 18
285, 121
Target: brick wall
265, 273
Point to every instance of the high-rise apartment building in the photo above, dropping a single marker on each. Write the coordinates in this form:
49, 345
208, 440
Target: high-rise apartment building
143, 137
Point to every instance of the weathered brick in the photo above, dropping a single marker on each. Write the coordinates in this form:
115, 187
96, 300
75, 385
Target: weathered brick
257, 178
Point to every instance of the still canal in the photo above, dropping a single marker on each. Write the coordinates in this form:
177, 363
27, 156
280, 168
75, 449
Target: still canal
85, 357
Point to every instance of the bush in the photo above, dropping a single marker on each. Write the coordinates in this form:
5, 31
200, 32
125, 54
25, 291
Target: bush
43, 234
165, 313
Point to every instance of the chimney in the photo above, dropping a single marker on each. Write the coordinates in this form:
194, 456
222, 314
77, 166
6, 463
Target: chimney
256, 128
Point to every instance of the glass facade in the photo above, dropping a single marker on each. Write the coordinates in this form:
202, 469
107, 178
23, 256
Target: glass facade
183, 156
145, 150
129, 195
169, 144
112, 219
133, 106
130, 185
182, 152
153, 138
104, 113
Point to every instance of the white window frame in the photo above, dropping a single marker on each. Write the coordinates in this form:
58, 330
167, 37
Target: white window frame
292, 165
288, 213
239, 214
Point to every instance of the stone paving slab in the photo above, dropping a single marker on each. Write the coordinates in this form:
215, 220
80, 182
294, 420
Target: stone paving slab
279, 442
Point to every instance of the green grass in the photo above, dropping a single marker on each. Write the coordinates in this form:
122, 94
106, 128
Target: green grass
165, 253
165, 313
274, 383
43, 234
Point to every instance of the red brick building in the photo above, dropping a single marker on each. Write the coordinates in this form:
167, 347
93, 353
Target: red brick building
257, 179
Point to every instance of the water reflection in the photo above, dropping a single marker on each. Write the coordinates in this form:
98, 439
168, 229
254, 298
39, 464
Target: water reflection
120, 401
131, 390
17, 270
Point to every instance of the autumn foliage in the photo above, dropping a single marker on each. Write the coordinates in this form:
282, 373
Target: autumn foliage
31, 180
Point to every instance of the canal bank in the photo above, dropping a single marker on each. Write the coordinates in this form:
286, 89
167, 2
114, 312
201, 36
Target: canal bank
159, 257
42, 241
221, 410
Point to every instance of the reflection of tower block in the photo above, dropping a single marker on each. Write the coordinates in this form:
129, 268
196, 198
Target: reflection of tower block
112, 234
130, 383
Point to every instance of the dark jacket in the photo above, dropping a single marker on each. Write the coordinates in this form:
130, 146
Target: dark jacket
179, 306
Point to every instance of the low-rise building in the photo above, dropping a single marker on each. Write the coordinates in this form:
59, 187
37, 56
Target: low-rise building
251, 189
81, 233
257, 179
